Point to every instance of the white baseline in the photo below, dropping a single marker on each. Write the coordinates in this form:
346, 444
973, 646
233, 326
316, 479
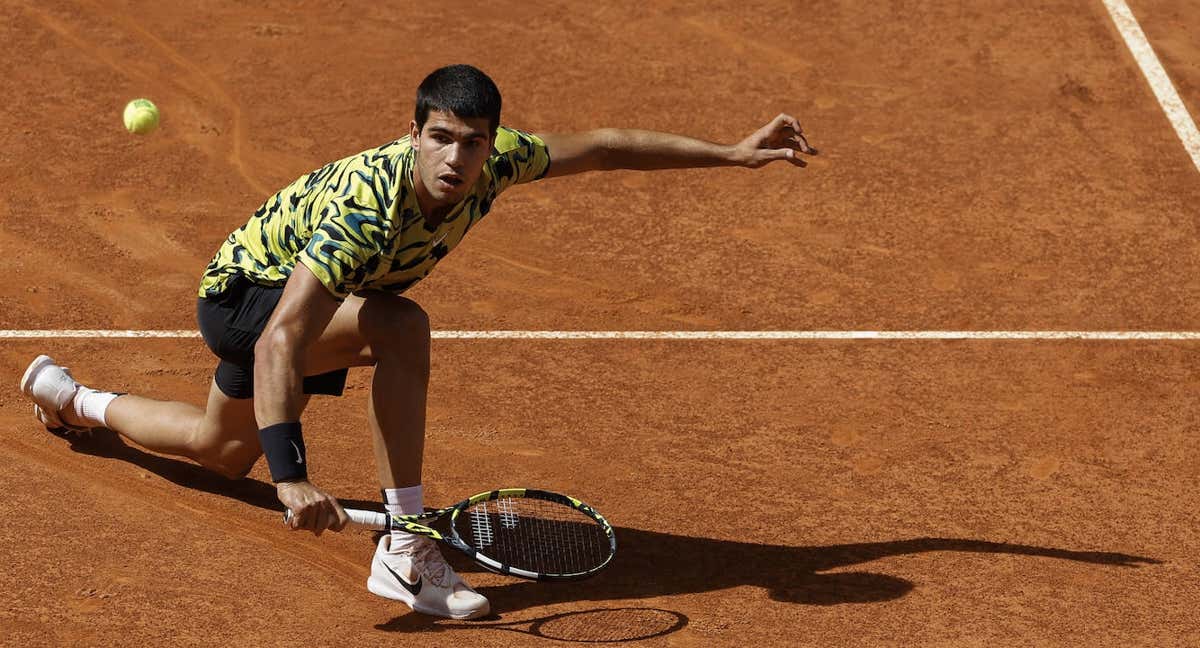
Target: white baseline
678, 335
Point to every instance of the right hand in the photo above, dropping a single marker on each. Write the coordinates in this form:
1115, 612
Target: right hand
781, 139
312, 509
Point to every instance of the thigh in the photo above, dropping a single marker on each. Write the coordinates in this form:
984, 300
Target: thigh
362, 325
231, 325
232, 322
229, 432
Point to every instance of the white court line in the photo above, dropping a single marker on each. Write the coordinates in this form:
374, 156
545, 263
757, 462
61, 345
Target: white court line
683, 335
1168, 98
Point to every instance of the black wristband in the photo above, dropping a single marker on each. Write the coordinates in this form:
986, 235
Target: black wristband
284, 446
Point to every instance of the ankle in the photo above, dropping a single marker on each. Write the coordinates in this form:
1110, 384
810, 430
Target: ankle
407, 500
89, 408
403, 542
68, 413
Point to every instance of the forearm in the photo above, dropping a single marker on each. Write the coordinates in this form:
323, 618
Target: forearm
278, 379
648, 150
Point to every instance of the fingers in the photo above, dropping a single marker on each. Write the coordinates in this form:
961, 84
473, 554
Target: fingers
340, 518
311, 509
805, 147
786, 123
328, 514
767, 156
322, 519
298, 520
303, 518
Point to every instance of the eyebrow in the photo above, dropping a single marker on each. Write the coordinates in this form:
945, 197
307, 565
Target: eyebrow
468, 135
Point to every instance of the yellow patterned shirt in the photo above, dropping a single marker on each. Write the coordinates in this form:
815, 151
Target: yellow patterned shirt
356, 225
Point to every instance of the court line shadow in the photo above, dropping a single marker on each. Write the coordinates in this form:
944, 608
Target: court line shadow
652, 564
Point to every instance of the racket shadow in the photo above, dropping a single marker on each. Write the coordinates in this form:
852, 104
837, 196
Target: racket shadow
596, 625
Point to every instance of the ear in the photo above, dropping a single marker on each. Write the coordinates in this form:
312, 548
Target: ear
414, 135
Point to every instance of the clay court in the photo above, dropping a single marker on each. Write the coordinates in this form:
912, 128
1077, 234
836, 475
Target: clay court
985, 166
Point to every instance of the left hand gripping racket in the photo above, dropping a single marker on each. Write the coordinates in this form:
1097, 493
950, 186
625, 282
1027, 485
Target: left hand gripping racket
523, 532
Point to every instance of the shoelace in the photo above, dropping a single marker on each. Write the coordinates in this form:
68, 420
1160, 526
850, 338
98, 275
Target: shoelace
429, 561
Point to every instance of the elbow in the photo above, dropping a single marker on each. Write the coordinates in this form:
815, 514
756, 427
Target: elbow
607, 149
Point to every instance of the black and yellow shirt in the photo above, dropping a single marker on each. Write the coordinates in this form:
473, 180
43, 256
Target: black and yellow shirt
356, 225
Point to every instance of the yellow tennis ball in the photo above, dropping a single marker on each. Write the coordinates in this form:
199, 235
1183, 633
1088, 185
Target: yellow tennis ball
141, 116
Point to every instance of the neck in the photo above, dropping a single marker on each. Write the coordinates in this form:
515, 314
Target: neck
432, 209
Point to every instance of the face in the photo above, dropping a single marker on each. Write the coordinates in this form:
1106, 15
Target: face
450, 153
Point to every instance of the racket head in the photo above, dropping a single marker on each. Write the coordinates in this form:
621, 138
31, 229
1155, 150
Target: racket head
533, 534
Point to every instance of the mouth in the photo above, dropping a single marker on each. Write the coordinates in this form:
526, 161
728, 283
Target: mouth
450, 180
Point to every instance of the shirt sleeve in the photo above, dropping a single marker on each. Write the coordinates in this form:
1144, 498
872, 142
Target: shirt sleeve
349, 237
518, 157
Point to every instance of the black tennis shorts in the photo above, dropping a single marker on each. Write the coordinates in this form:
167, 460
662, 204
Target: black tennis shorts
231, 324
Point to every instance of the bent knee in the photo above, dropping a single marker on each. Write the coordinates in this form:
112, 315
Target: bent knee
391, 322
231, 458
231, 470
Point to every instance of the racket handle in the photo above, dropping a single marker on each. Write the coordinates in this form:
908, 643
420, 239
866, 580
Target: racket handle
369, 519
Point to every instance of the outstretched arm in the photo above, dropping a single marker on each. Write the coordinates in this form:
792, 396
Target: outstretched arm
615, 148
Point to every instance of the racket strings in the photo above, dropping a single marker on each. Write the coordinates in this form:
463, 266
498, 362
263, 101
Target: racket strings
536, 535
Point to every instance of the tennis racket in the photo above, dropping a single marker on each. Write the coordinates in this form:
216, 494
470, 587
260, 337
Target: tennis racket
533, 534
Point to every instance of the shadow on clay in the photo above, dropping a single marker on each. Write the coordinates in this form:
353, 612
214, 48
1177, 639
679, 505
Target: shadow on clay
106, 443
651, 564
596, 625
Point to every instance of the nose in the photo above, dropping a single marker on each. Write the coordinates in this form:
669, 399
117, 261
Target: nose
454, 155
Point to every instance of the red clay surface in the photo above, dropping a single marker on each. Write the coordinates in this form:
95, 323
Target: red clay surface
997, 167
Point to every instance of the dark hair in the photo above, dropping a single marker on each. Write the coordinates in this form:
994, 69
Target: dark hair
462, 90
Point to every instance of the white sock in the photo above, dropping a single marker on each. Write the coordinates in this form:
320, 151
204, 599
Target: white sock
404, 501
91, 405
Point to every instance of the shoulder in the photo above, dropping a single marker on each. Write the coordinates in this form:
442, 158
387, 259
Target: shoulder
517, 157
511, 139
369, 181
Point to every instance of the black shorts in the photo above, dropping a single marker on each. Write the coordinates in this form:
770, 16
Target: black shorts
231, 323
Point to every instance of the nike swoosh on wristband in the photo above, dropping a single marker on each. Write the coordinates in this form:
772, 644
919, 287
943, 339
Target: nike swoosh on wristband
299, 457
413, 588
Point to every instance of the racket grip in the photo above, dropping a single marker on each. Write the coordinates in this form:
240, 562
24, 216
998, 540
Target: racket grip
369, 519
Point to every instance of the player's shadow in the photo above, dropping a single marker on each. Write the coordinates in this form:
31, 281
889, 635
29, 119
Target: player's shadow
105, 443
652, 564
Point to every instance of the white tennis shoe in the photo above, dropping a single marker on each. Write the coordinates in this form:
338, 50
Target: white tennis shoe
419, 577
51, 388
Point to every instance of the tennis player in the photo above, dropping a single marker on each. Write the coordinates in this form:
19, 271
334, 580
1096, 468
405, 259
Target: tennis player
312, 285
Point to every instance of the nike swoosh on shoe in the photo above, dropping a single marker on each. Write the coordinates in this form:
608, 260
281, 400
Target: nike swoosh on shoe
413, 588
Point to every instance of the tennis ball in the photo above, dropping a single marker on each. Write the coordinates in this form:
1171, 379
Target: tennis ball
141, 116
